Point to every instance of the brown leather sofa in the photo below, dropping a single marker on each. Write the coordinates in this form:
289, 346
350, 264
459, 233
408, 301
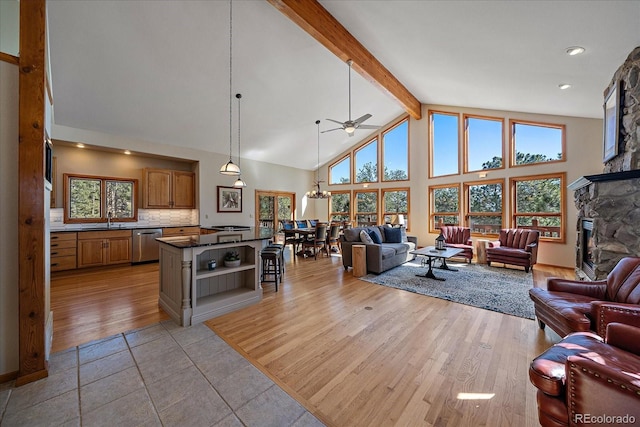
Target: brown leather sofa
516, 246
585, 380
573, 306
460, 238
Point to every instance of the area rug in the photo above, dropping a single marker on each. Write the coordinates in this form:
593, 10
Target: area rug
491, 288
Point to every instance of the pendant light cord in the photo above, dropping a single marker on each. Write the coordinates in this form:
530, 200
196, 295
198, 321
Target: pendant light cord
318, 165
230, 74
238, 96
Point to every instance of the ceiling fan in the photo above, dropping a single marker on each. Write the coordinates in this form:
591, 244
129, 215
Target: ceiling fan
350, 126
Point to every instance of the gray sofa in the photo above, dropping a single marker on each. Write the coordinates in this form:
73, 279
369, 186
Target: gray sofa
380, 257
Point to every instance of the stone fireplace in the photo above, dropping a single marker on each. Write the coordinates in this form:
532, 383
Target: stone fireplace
608, 204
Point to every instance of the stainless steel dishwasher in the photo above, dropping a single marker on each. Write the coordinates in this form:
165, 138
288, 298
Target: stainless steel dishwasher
145, 246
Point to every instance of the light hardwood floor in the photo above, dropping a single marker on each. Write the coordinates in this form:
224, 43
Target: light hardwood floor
354, 353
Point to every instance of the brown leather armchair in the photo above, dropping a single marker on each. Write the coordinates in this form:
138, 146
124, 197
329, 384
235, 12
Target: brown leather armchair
572, 306
602, 378
516, 246
460, 238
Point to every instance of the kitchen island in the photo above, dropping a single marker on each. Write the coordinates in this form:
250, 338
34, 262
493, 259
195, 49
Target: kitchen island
191, 292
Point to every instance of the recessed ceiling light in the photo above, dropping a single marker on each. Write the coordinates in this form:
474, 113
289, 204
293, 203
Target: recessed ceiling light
80, 145
564, 86
127, 152
575, 50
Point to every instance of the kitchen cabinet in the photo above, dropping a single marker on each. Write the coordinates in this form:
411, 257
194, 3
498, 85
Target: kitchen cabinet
97, 248
168, 189
63, 250
181, 231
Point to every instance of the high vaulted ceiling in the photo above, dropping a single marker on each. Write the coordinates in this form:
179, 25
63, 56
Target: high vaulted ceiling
159, 70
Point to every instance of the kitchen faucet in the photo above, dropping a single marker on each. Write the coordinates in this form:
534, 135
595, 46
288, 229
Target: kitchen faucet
109, 215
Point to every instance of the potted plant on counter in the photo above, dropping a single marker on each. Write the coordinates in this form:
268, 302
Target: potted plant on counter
232, 259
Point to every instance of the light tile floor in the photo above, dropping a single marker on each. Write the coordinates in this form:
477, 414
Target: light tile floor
159, 375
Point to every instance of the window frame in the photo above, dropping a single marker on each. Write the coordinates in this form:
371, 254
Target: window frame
433, 227
355, 209
562, 215
347, 157
330, 210
431, 148
354, 170
512, 141
465, 141
385, 213
467, 205
382, 159
67, 219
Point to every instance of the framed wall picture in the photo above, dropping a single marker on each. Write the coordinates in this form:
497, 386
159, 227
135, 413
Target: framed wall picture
611, 122
229, 199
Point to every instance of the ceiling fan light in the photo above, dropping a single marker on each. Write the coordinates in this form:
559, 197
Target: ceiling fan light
350, 129
230, 168
575, 50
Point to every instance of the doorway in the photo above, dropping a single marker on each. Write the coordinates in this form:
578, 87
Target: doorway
273, 207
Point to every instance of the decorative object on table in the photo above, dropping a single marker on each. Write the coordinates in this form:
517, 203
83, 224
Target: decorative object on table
316, 193
239, 182
611, 122
212, 264
496, 289
229, 199
440, 242
232, 259
230, 168
350, 126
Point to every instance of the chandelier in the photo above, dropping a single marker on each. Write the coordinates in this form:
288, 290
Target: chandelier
230, 168
316, 193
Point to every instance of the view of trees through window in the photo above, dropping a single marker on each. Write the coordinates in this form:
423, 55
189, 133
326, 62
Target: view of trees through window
484, 143
366, 162
340, 209
366, 208
93, 199
340, 172
538, 204
395, 152
395, 202
536, 143
484, 202
445, 206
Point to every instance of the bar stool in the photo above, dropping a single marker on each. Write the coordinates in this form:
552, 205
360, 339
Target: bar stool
271, 265
281, 247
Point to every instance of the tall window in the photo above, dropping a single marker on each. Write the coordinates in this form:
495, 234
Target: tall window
445, 206
536, 143
340, 171
366, 208
96, 199
395, 152
366, 162
340, 206
395, 202
443, 144
484, 142
538, 204
484, 203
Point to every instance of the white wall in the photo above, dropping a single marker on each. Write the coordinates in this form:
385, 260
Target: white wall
10, 26
8, 218
257, 175
583, 153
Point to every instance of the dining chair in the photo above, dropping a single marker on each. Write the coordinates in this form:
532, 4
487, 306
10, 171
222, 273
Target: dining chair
290, 236
301, 223
333, 237
318, 242
313, 222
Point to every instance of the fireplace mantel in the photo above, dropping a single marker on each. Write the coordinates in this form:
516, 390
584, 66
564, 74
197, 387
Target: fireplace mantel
583, 181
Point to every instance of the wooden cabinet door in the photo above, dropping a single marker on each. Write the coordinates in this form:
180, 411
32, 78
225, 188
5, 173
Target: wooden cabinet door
157, 188
91, 253
183, 190
118, 250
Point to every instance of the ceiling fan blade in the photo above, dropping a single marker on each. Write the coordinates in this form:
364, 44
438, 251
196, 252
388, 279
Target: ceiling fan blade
362, 119
335, 121
329, 130
368, 127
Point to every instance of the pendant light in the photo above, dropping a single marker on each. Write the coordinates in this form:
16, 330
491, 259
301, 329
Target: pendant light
239, 182
316, 193
230, 168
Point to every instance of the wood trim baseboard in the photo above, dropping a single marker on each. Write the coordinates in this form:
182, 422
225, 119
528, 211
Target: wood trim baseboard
9, 376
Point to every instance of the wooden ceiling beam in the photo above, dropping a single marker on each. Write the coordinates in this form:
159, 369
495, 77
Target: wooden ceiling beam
321, 25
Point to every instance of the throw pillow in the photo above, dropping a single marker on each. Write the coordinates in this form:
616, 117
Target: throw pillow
374, 236
404, 234
365, 238
393, 235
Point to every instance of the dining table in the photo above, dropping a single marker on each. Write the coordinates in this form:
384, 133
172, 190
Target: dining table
302, 233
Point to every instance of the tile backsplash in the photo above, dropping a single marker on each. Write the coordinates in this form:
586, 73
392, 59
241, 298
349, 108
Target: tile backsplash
146, 218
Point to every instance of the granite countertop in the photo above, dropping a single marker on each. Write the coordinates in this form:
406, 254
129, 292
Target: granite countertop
219, 238
118, 228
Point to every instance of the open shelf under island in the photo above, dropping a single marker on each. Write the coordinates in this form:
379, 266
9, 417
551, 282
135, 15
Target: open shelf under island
191, 293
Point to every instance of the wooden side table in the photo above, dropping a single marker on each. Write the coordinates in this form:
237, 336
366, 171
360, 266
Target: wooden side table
359, 258
481, 251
